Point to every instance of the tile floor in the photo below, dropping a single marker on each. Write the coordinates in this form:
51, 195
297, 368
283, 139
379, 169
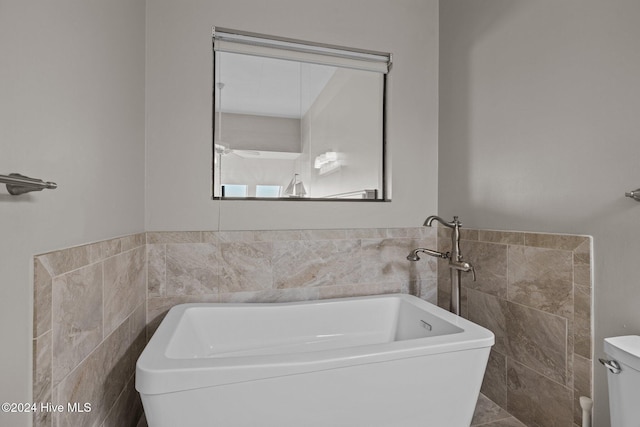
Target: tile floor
488, 414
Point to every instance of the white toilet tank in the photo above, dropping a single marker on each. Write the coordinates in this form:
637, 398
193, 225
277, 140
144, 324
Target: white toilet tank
624, 379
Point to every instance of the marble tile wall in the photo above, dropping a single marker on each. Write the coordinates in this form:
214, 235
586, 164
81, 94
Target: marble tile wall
291, 265
89, 329
95, 305
534, 292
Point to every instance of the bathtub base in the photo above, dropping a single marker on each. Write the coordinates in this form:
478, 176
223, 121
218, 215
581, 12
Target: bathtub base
436, 390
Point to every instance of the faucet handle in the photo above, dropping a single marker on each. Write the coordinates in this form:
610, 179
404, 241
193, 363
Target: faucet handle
473, 271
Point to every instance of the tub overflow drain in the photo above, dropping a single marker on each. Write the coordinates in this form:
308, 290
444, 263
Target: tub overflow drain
425, 325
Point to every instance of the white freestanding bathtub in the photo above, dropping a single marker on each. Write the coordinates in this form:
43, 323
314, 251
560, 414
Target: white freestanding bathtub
390, 360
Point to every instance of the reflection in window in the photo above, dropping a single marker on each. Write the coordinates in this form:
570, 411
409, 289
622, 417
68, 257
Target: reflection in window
285, 108
268, 190
234, 190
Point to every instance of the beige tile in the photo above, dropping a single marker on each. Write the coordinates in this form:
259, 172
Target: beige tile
124, 286
464, 302
232, 236
98, 380
582, 275
407, 232
466, 234
490, 263
536, 400
430, 242
192, 269
565, 242
271, 296
132, 241
137, 332
429, 232
156, 270
115, 246
582, 385
444, 299
246, 266
444, 281
42, 377
127, 409
444, 233
582, 254
361, 289
323, 234
506, 422
142, 422
537, 340
394, 233
582, 334
505, 237
487, 411
569, 379
494, 384
316, 263
541, 278
111, 247
66, 260
211, 237
426, 289
77, 317
388, 288
299, 264
490, 312
366, 233
277, 235
444, 291
345, 291
385, 260
174, 237
42, 418
41, 299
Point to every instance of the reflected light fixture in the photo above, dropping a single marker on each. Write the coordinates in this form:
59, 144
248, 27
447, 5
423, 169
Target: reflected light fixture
327, 162
295, 187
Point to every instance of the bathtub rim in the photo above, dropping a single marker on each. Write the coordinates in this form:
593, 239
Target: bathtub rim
157, 374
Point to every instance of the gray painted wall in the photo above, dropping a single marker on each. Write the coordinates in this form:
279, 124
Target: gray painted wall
71, 111
179, 81
539, 105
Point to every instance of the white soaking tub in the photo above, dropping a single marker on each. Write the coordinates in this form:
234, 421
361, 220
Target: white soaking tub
390, 360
